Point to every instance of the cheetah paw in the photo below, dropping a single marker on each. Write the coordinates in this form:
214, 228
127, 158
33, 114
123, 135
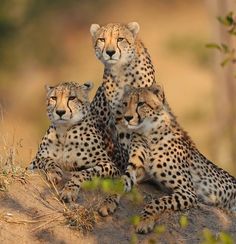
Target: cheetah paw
54, 176
145, 226
127, 183
107, 208
69, 194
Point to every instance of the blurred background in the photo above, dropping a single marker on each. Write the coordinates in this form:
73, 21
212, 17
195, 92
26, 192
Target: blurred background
45, 42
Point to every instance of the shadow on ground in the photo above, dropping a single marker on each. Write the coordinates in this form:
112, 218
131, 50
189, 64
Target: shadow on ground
31, 213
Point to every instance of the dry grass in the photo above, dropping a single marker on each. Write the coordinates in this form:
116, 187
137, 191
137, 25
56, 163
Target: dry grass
77, 217
9, 168
81, 218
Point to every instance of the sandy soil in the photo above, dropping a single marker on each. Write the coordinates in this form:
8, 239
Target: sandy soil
31, 213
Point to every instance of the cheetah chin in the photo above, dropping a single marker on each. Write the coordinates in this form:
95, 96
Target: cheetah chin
133, 127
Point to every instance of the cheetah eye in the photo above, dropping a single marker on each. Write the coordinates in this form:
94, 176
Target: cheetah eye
54, 98
71, 98
120, 39
101, 39
140, 103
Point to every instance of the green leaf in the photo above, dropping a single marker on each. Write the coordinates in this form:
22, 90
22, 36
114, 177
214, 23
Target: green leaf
221, 20
213, 45
232, 31
135, 220
135, 196
183, 221
160, 229
225, 61
118, 186
208, 237
225, 48
225, 238
134, 239
229, 18
91, 185
106, 185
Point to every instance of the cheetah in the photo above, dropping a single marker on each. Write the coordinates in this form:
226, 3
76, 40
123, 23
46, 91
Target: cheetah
73, 141
126, 61
170, 157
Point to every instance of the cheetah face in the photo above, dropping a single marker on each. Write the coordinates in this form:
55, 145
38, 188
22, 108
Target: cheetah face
114, 43
142, 106
67, 103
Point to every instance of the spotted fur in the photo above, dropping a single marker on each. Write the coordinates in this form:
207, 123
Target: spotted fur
74, 140
171, 158
126, 61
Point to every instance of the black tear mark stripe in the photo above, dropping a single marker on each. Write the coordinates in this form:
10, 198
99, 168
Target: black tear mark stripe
139, 117
117, 45
69, 108
149, 105
103, 34
127, 41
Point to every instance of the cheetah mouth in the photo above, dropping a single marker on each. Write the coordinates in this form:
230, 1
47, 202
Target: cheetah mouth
62, 121
132, 126
112, 61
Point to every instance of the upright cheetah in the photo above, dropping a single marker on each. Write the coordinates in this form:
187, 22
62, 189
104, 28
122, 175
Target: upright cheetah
74, 140
126, 61
170, 157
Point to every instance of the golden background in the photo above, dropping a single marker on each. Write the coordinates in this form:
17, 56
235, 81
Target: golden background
45, 42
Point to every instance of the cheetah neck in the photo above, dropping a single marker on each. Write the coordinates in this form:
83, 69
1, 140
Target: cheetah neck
165, 126
138, 73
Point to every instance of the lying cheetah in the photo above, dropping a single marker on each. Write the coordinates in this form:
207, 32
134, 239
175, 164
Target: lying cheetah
168, 154
73, 140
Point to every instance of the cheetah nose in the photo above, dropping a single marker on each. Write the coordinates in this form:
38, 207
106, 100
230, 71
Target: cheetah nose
128, 118
60, 112
110, 52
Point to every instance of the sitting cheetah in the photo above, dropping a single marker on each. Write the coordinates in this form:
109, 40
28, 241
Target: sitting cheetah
168, 154
73, 140
126, 61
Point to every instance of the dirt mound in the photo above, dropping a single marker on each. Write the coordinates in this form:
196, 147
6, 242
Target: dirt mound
30, 212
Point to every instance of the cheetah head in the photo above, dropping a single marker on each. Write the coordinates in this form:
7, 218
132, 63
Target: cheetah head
114, 42
142, 106
67, 103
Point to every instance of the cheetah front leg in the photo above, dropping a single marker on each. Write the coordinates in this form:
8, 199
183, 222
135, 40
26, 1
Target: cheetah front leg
136, 166
134, 172
52, 170
71, 190
178, 200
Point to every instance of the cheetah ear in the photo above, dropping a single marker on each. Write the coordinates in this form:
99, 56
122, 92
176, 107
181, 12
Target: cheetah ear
155, 88
158, 91
93, 29
133, 27
87, 86
48, 88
